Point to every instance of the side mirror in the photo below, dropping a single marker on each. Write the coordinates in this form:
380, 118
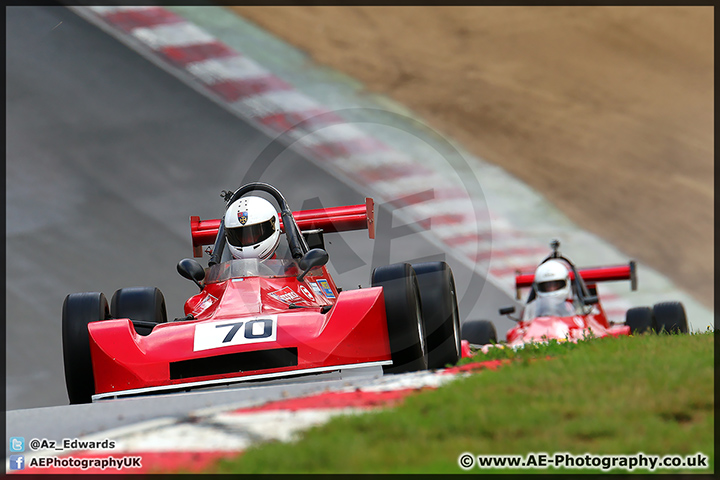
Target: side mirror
317, 257
507, 310
192, 270
592, 300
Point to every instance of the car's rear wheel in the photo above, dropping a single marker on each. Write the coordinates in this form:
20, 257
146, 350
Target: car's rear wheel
80, 309
145, 306
403, 309
440, 313
479, 332
670, 317
639, 319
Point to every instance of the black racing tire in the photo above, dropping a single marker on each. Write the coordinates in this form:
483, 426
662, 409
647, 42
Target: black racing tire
479, 332
403, 309
80, 309
670, 318
145, 306
640, 320
440, 313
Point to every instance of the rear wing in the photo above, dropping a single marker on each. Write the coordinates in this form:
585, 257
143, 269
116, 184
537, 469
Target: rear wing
590, 275
335, 219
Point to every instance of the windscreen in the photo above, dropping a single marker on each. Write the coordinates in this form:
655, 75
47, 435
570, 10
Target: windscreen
548, 307
252, 267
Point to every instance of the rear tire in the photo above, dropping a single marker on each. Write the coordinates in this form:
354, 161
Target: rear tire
144, 305
640, 320
479, 332
80, 309
440, 313
670, 317
403, 309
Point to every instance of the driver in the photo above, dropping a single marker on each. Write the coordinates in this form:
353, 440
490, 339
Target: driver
553, 289
252, 228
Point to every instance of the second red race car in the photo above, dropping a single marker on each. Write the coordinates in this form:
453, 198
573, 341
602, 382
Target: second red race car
261, 318
563, 305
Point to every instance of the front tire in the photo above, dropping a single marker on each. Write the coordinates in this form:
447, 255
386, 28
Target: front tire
670, 317
80, 309
403, 309
145, 306
440, 313
639, 319
479, 332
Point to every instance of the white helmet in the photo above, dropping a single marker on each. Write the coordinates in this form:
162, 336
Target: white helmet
252, 228
552, 280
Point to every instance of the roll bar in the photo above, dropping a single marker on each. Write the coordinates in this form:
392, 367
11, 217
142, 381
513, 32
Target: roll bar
298, 247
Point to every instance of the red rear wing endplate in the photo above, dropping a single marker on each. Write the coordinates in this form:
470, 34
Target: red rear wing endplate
591, 275
335, 219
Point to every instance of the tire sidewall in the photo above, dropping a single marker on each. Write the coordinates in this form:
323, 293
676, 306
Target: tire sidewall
640, 320
440, 313
403, 309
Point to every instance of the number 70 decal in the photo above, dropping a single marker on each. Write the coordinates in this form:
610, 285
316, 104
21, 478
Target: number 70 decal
239, 332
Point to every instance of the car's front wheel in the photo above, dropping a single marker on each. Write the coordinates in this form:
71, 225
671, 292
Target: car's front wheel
479, 332
145, 306
403, 309
80, 309
639, 319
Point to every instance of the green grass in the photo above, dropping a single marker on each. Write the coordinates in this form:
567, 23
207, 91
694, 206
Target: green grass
652, 394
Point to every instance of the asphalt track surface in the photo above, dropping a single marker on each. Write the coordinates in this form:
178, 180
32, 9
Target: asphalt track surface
107, 157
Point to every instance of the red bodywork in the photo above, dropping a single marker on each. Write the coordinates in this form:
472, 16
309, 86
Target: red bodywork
244, 328
575, 327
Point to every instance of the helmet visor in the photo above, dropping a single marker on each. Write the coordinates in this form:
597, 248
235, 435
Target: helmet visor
551, 286
248, 235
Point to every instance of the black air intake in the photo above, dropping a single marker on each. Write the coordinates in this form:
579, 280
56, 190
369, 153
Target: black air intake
234, 363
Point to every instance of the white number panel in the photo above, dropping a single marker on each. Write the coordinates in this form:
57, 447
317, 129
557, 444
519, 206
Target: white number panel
235, 332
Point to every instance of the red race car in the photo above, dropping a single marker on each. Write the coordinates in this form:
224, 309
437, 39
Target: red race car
563, 305
256, 319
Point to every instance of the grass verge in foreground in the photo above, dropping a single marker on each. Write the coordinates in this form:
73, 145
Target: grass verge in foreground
651, 394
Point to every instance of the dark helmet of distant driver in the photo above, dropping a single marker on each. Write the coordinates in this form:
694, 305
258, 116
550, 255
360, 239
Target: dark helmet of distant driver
552, 280
252, 228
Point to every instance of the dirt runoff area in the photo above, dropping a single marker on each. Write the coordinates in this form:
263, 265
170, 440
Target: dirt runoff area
607, 111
